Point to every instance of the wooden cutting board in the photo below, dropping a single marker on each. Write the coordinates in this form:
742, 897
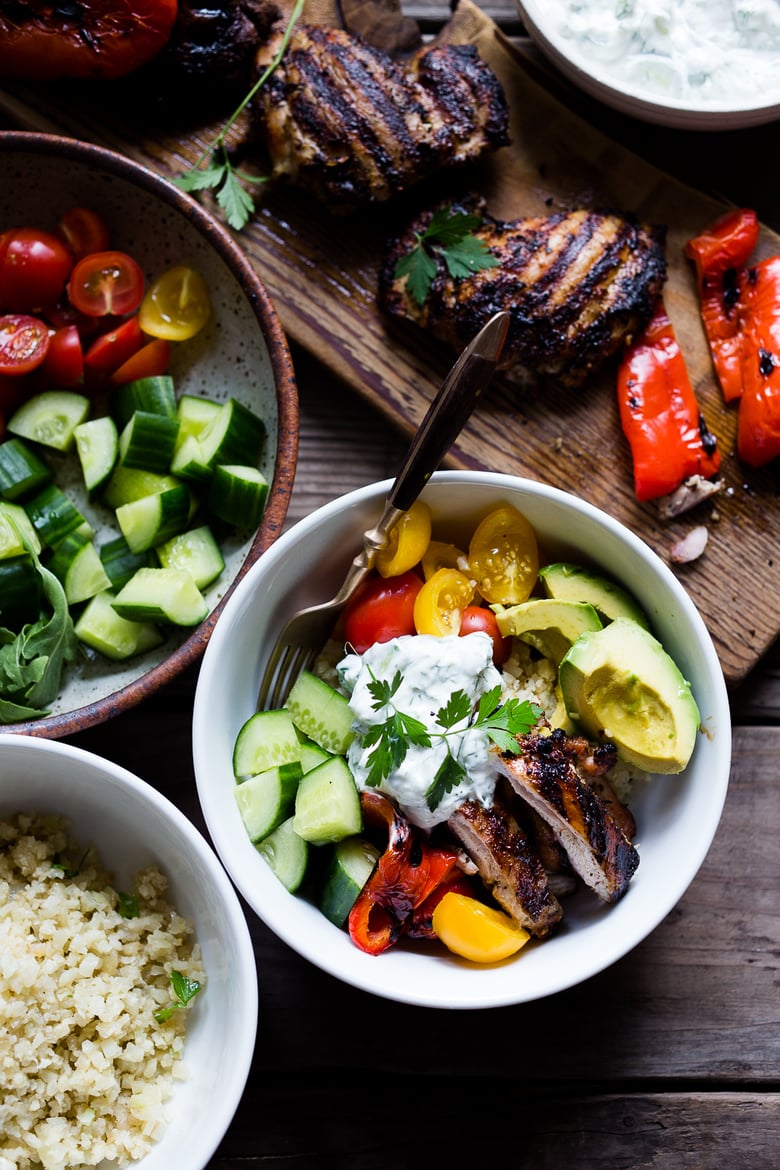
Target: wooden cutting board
321, 272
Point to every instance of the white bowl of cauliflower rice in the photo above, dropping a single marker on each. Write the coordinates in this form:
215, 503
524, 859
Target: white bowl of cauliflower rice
129, 991
504, 769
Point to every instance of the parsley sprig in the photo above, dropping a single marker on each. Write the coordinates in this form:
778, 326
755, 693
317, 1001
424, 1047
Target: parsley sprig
184, 990
219, 174
390, 740
449, 237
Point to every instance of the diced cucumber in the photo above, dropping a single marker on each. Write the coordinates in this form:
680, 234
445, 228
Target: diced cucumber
267, 799
351, 865
195, 551
20, 591
77, 564
156, 395
54, 515
130, 483
236, 435
120, 562
101, 627
327, 804
312, 755
97, 445
266, 739
189, 462
321, 713
195, 414
148, 441
152, 520
287, 854
16, 514
161, 595
50, 418
238, 495
21, 471
11, 539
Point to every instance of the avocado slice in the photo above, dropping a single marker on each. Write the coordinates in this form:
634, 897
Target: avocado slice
619, 684
570, 582
549, 625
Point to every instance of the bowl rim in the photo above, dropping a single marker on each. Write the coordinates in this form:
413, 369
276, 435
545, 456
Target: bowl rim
190, 651
352, 970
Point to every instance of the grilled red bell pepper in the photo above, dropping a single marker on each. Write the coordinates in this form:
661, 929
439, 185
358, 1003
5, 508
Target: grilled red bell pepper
660, 415
720, 254
758, 427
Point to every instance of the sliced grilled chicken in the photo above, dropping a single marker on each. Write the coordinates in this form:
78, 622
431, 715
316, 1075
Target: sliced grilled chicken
506, 864
577, 284
351, 125
544, 775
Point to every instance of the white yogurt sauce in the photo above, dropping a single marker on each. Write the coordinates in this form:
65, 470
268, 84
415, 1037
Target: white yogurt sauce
432, 668
703, 52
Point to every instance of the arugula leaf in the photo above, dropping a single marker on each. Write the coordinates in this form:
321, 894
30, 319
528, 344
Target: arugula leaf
449, 237
184, 989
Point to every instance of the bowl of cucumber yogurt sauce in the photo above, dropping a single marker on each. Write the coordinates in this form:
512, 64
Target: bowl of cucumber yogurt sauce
690, 64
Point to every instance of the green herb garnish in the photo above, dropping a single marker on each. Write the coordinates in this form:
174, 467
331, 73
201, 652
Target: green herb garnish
68, 871
391, 740
128, 905
184, 989
449, 237
220, 175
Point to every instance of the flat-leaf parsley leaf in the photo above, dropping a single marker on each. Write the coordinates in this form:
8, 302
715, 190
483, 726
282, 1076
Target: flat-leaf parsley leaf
184, 989
449, 236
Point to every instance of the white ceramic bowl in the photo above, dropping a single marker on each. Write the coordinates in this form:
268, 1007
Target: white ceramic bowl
132, 826
601, 79
242, 352
677, 816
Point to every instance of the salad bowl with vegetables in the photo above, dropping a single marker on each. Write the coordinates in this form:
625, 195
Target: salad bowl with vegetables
335, 815
148, 430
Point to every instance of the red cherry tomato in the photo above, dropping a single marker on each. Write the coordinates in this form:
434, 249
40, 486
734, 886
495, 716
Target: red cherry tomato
383, 609
477, 618
106, 282
24, 343
149, 362
34, 266
84, 231
111, 350
64, 363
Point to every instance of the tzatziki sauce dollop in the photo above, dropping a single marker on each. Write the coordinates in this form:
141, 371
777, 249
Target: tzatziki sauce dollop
704, 52
432, 668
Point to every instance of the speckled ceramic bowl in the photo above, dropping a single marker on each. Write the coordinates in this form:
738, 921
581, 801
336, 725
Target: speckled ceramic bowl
242, 353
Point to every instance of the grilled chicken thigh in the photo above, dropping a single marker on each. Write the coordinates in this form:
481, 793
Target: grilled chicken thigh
577, 285
351, 125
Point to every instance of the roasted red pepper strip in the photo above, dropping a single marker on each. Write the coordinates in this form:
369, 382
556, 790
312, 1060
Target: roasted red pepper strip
758, 430
720, 254
660, 415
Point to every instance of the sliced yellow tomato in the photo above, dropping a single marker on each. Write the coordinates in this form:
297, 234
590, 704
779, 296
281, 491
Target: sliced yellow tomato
439, 606
408, 542
177, 305
440, 555
504, 557
475, 931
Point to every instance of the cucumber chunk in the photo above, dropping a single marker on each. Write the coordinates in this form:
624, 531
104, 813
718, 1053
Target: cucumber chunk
312, 756
235, 435
50, 418
155, 395
197, 552
16, 515
195, 414
54, 516
351, 865
100, 627
287, 854
11, 539
238, 495
161, 595
77, 564
148, 441
130, 483
21, 471
266, 739
97, 446
152, 520
120, 562
20, 591
321, 713
267, 799
327, 804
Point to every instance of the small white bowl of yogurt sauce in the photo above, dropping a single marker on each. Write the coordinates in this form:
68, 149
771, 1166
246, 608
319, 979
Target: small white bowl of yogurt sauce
691, 64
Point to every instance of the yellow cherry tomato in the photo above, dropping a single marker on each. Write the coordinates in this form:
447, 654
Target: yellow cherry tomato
477, 932
440, 555
439, 606
177, 306
408, 542
504, 557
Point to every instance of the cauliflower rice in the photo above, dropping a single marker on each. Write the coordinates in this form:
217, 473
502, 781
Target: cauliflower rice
85, 1069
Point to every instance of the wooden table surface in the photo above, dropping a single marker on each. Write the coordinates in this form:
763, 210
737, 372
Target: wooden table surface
668, 1060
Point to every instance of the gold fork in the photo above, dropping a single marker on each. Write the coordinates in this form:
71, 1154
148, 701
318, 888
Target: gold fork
307, 631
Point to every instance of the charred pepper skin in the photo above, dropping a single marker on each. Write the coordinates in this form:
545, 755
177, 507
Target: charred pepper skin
758, 426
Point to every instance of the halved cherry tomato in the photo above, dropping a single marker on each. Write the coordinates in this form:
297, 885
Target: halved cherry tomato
149, 362
111, 350
439, 606
478, 618
504, 557
383, 609
440, 555
64, 363
34, 266
177, 306
408, 542
84, 231
106, 282
24, 343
